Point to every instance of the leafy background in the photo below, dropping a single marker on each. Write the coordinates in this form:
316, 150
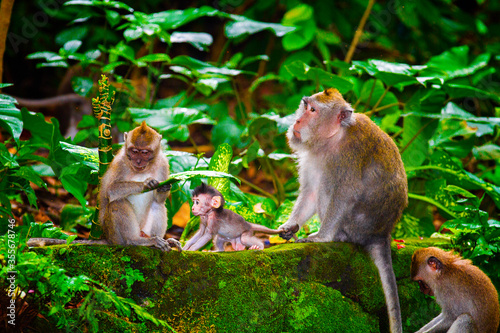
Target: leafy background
233, 72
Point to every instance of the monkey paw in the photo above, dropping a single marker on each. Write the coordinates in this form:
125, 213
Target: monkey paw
304, 240
174, 243
164, 188
288, 232
150, 183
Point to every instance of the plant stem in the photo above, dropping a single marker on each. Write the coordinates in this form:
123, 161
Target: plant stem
359, 31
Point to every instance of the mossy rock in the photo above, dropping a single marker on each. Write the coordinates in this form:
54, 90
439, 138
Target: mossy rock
322, 287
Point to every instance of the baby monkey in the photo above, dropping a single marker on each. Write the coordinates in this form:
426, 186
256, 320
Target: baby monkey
468, 299
222, 225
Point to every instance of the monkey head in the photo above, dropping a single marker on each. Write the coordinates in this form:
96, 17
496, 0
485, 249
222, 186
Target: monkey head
205, 199
142, 145
319, 118
428, 265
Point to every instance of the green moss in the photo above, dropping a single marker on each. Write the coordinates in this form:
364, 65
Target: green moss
329, 287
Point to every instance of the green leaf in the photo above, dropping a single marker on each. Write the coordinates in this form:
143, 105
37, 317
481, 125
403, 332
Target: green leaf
73, 215
455, 63
155, 57
10, 117
187, 175
220, 162
73, 33
390, 73
82, 85
304, 72
72, 46
199, 40
104, 4
487, 152
88, 157
201, 67
29, 174
172, 122
243, 26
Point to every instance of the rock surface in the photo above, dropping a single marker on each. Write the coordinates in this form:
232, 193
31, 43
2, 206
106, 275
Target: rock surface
322, 287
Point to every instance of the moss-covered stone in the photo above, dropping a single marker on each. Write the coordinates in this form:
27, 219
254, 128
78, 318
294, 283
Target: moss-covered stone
329, 287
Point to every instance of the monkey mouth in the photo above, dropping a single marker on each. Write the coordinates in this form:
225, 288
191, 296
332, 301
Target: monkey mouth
296, 134
424, 287
140, 168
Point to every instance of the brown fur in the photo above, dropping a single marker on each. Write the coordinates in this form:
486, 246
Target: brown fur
351, 174
459, 287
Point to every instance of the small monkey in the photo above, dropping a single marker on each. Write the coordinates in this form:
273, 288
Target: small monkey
222, 225
468, 299
350, 174
128, 216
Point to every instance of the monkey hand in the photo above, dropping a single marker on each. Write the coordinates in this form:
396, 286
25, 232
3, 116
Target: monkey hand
174, 243
150, 183
288, 232
164, 188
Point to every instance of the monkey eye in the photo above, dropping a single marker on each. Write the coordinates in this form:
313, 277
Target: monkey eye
144, 152
135, 151
313, 109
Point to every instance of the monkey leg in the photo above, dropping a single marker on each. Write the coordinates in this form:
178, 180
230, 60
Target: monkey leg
463, 324
219, 243
252, 242
123, 227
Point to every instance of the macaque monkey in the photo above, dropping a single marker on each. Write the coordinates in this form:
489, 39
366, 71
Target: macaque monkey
222, 225
128, 216
351, 174
468, 299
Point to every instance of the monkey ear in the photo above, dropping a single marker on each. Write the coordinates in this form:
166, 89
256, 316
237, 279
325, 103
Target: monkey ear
435, 264
216, 201
344, 115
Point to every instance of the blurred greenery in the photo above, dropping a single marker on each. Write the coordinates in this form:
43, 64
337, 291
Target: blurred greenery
233, 73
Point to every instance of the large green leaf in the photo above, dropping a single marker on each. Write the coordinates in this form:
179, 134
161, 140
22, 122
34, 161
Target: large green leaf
187, 175
220, 162
10, 117
304, 72
199, 40
243, 26
198, 67
172, 122
455, 63
391, 73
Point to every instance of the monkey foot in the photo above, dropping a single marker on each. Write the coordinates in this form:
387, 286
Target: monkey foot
174, 243
288, 232
254, 247
305, 240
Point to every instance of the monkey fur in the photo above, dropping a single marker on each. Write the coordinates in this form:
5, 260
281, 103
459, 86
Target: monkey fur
222, 225
127, 216
468, 299
350, 174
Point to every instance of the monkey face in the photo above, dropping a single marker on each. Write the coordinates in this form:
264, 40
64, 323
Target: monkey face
139, 158
201, 205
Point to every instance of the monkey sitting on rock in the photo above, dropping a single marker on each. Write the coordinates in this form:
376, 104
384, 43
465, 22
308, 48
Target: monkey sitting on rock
128, 216
350, 174
468, 299
222, 225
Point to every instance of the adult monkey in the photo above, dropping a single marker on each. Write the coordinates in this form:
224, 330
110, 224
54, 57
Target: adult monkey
128, 216
351, 174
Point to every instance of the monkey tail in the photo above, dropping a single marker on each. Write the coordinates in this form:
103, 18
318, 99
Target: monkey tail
266, 230
38, 242
381, 255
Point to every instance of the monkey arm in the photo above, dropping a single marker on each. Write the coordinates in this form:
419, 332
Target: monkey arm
304, 209
432, 325
121, 190
196, 236
200, 242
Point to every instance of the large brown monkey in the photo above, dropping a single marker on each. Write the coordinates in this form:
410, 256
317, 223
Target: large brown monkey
352, 176
222, 225
127, 216
468, 299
